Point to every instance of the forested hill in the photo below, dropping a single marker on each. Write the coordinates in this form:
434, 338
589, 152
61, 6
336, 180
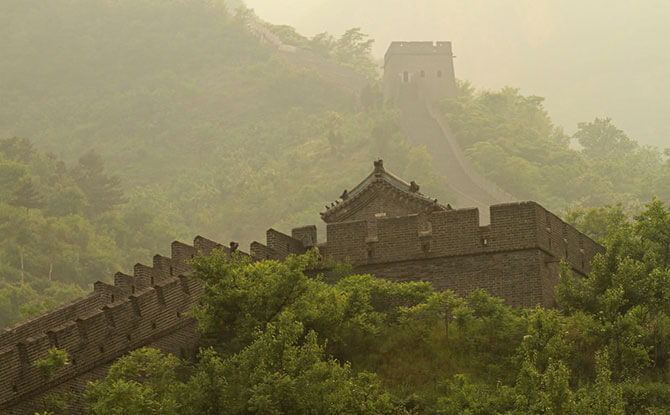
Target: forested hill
185, 105
150, 84
202, 129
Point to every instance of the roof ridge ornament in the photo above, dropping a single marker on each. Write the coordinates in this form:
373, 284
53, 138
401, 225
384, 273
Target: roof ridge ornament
379, 166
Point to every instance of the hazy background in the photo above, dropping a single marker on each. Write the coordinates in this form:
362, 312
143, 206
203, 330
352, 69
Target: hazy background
587, 58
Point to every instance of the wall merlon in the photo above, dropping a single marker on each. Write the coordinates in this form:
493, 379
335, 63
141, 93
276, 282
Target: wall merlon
160, 295
10, 368
514, 225
109, 317
124, 316
346, 241
107, 292
261, 252
53, 318
81, 329
283, 244
184, 284
204, 246
22, 351
455, 232
162, 268
37, 347
397, 239
144, 276
181, 254
68, 337
306, 234
124, 283
94, 326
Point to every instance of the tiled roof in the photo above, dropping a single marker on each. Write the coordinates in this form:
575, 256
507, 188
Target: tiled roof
378, 174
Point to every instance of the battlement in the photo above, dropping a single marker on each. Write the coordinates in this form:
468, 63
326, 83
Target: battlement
419, 70
418, 48
514, 226
383, 226
136, 310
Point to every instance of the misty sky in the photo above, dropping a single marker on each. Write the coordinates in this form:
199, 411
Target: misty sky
588, 58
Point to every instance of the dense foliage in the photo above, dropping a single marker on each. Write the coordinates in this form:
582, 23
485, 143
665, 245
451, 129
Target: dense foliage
352, 49
511, 139
277, 342
200, 120
64, 227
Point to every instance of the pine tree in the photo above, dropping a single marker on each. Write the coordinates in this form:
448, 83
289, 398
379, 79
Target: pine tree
17, 149
103, 192
27, 196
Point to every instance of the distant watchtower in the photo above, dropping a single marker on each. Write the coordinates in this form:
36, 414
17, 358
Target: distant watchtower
419, 70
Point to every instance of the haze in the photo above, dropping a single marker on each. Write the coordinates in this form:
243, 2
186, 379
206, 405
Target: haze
595, 58
210, 211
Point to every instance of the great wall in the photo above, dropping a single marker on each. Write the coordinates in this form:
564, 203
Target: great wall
383, 226
416, 75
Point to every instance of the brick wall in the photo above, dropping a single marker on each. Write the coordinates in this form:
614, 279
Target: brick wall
516, 258
283, 245
148, 308
509, 275
379, 199
514, 226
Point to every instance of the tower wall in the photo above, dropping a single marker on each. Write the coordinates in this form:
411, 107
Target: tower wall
415, 70
516, 257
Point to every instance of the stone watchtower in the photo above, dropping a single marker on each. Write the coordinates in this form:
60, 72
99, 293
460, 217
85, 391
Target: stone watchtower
419, 70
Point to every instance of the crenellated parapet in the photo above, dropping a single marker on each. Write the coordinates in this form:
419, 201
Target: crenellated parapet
384, 226
136, 310
514, 226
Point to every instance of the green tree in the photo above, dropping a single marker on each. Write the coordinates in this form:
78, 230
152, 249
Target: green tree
597, 221
26, 195
354, 48
17, 149
626, 292
103, 192
141, 383
600, 138
653, 227
243, 298
56, 359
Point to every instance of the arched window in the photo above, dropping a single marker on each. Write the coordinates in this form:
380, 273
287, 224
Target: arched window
423, 73
405, 76
439, 74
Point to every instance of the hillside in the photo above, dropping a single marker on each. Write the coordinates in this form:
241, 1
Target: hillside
206, 130
601, 58
183, 104
511, 139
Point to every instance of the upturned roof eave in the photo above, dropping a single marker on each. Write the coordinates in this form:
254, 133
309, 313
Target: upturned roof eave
379, 174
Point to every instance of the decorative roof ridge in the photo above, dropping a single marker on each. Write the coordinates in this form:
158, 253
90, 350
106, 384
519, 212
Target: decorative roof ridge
379, 174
